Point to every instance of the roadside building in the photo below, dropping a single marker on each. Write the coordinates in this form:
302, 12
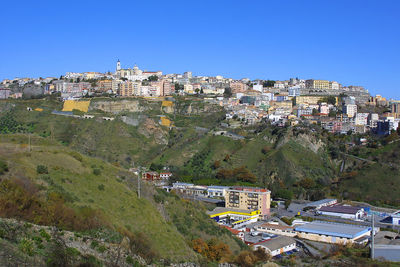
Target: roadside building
165, 175
235, 218
277, 245
387, 246
276, 229
322, 203
150, 176
216, 191
394, 218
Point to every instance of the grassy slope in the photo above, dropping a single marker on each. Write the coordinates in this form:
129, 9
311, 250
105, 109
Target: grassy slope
117, 201
377, 183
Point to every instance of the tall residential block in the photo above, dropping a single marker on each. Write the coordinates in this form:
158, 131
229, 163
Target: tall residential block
249, 198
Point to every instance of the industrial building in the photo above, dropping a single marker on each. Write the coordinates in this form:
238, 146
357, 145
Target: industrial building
338, 233
322, 203
275, 228
342, 211
387, 246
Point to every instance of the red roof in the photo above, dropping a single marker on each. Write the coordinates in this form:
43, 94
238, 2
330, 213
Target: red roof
233, 231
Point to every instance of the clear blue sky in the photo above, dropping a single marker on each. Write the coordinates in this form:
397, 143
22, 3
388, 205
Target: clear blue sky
350, 41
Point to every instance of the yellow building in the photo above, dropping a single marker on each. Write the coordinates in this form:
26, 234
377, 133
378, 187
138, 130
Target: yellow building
236, 216
249, 198
317, 84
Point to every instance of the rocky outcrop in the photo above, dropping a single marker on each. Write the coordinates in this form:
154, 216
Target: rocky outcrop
149, 129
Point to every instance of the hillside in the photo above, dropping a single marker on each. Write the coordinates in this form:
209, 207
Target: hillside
302, 159
96, 188
376, 181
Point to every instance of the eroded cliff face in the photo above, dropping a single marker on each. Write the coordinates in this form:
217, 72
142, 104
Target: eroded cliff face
149, 128
140, 105
118, 106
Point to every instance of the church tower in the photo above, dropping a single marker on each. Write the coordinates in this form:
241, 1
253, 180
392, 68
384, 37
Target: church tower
118, 65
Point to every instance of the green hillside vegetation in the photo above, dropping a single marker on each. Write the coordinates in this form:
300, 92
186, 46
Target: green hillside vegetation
377, 181
304, 160
84, 188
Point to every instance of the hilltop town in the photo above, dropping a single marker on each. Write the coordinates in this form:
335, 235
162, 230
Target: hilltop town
296, 172
336, 107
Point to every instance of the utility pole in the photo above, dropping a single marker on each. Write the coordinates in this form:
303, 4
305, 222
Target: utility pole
138, 181
29, 142
372, 238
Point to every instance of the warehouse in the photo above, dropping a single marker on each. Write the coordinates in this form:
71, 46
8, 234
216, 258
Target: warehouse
338, 233
345, 212
322, 203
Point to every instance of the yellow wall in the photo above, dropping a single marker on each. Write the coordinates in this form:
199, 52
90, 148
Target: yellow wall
167, 103
69, 105
165, 122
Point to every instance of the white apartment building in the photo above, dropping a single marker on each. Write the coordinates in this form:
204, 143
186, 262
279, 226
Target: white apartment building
361, 119
350, 110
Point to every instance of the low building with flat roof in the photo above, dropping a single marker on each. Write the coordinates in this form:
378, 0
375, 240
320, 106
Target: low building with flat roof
329, 232
322, 203
235, 218
387, 246
277, 245
345, 212
276, 229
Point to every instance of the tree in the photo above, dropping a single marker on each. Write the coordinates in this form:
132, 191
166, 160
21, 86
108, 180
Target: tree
307, 183
153, 78
227, 92
284, 193
269, 83
41, 169
178, 87
314, 111
216, 164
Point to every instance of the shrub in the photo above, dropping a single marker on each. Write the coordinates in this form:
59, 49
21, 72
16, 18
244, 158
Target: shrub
101, 249
27, 247
101, 187
41, 169
3, 167
76, 156
94, 244
141, 244
27, 204
96, 172
44, 234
